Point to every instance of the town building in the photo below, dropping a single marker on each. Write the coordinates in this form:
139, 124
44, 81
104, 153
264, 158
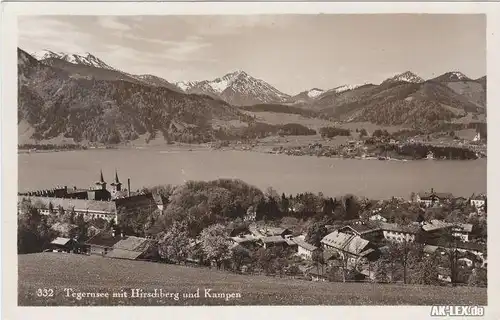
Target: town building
481, 132
351, 247
96, 202
113, 245
90, 209
273, 241
247, 241
365, 231
478, 201
430, 199
377, 217
304, 249
260, 231
397, 233
61, 244
439, 229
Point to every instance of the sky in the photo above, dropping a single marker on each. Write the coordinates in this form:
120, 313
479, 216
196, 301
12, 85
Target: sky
291, 52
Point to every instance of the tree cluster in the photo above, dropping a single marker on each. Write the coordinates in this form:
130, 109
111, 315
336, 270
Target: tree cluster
33, 232
330, 132
420, 151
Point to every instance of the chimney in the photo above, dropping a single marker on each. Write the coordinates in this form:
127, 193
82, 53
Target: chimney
66, 189
128, 187
121, 234
432, 190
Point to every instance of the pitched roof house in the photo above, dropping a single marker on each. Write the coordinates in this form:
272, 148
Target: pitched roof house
119, 246
61, 244
304, 249
267, 231
350, 244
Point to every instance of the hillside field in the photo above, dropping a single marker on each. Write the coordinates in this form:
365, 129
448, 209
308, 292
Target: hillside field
58, 271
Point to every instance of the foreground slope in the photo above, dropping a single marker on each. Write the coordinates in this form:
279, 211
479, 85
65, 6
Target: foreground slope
99, 274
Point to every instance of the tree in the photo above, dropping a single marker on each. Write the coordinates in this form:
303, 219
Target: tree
82, 228
344, 265
453, 255
239, 256
33, 232
315, 233
319, 259
413, 197
215, 244
363, 133
174, 244
351, 207
72, 216
381, 270
380, 133
264, 260
425, 270
285, 204
478, 278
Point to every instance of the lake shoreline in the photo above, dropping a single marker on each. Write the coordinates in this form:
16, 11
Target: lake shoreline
208, 148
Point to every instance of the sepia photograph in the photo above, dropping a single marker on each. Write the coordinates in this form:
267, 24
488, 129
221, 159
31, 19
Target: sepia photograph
252, 160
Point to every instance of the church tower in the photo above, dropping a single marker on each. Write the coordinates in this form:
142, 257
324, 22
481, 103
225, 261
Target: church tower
101, 184
116, 186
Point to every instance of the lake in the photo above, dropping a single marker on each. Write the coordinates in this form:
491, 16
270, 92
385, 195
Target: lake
289, 174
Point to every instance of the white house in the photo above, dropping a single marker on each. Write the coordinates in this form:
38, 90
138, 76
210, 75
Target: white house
304, 249
478, 201
462, 231
432, 198
395, 232
378, 217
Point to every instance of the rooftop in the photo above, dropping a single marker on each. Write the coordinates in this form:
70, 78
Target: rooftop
346, 242
478, 197
398, 228
273, 239
132, 243
61, 241
439, 224
104, 239
78, 204
432, 194
303, 244
359, 228
244, 238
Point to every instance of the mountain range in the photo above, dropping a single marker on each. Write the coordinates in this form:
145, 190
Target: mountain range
236, 88
58, 101
77, 86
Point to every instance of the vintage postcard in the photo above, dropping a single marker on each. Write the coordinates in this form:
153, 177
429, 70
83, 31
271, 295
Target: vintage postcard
300, 157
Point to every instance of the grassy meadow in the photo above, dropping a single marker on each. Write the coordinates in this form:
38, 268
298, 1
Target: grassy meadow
98, 274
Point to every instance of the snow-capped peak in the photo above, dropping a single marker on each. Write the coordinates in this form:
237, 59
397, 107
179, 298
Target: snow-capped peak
236, 87
459, 75
406, 76
86, 58
218, 85
314, 92
346, 87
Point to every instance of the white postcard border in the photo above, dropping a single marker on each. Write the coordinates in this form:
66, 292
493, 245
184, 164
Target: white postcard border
11, 10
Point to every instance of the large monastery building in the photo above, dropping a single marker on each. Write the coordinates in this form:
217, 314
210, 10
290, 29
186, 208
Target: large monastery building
98, 201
